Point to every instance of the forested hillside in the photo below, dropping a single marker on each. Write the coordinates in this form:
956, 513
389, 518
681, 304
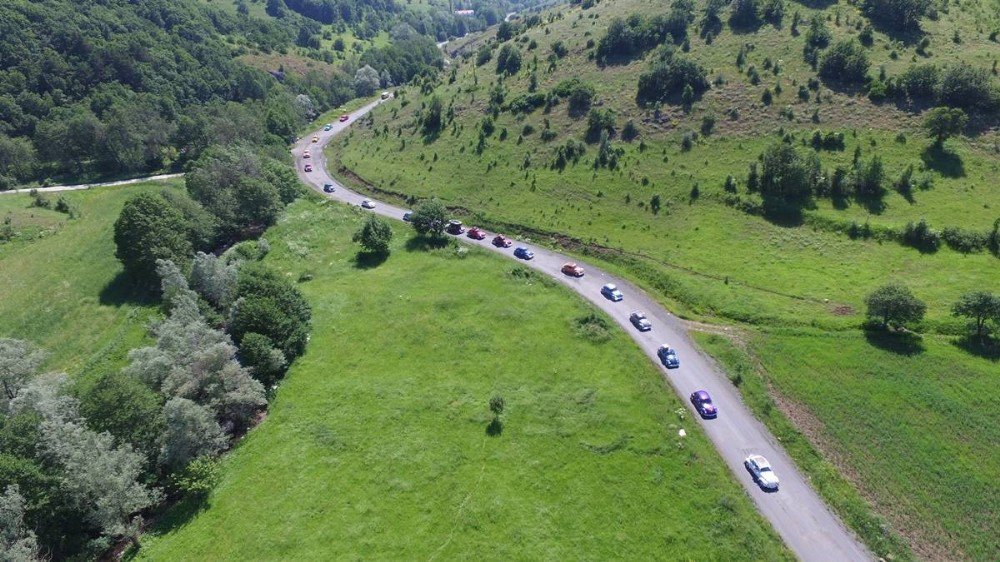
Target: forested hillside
111, 87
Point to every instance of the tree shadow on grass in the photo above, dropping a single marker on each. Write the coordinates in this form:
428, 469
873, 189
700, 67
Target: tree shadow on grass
494, 428
985, 348
171, 517
783, 213
943, 161
422, 243
124, 290
900, 343
370, 260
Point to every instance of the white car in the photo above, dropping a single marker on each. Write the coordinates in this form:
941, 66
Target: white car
761, 471
368, 204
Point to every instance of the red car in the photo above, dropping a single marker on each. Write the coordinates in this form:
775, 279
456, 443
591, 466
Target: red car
344, 117
501, 241
476, 233
309, 167
572, 269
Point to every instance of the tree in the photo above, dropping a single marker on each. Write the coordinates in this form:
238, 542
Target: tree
980, 307
429, 218
19, 361
366, 81
497, 405
266, 363
268, 303
374, 235
432, 122
214, 278
508, 60
846, 61
943, 122
894, 304
668, 75
191, 432
784, 174
149, 229
101, 480
17, 541
125, 408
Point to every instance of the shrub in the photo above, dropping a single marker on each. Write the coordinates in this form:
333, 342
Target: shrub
920, 81
593, 327
508, 60
374, 235
668, 76
559, 50
599, 120
968, 87
846, 61
745, 13
921, 236
707, 124
965, 241
629, 131
631, 37
898, 15
483, 55
526, 103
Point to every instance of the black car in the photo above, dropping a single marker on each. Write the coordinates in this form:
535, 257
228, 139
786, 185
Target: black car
328, 187
454, 227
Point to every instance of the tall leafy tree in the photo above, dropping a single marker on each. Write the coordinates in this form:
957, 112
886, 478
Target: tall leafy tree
895, 304
943, 122
981, 308
149, 229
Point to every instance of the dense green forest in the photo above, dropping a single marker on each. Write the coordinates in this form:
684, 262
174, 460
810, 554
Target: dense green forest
96, 88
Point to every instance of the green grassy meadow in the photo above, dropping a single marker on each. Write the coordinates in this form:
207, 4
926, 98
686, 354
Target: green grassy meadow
797, 287
59, 284
376, 445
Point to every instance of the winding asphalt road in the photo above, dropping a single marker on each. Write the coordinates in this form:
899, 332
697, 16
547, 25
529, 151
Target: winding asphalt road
796, 511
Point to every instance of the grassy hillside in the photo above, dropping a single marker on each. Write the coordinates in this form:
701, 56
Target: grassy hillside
797, 284
379, 440
59, 280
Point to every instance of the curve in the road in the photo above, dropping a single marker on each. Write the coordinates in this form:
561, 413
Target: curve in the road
796, 511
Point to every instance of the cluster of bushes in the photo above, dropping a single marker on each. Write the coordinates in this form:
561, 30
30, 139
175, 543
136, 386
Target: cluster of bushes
846, 61
508, 60
578, 94
632, 37
233, 193
896, 15
752, 13
80, 461
670, 76
786, 178
920, 235
960, 85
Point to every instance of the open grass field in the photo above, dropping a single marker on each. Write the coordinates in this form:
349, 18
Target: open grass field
915, 431
59, 280
377, 445
796, 286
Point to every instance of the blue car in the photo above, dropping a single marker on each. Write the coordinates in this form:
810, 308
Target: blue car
523, 253
611, 292
703, 403
668, 357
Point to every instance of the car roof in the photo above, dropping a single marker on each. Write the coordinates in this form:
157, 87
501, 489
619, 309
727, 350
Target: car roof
701, 393
759, 460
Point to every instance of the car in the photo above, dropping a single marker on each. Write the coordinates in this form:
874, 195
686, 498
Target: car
344, 117
761, 471
328, 187
703, 403
454, 227
476, 233
408, 216
368, 204
316, 139
309, 167
611, 292
668, 356
523, 253
328, 126
501, 241
306, 154
385, 95
639, 320
572, 269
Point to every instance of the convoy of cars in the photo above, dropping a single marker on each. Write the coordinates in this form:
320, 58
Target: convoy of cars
757, 465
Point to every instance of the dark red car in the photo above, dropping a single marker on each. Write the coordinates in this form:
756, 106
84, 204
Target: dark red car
501, 241
476, 233
344, 117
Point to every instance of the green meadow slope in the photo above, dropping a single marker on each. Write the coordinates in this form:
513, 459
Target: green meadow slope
794, 286
378, 444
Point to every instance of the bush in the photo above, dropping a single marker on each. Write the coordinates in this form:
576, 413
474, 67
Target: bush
269, 304
965, 241
374, 235
846, 61
266, 363
920, 81
599, 120
899, 15
668, 77
483, 55
630, 131
968, 87
526, 103
921, 236
593, 328
508, 60
559, 50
